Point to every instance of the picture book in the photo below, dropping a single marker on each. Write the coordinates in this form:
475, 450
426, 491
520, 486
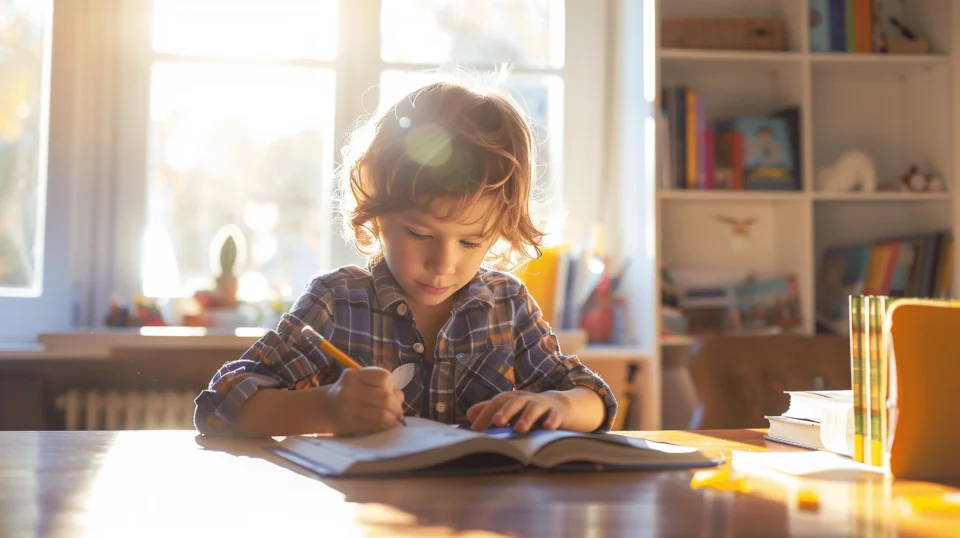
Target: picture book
760, 149
426, 447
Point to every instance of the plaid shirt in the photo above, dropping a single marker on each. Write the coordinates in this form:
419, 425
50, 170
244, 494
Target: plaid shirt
495, 341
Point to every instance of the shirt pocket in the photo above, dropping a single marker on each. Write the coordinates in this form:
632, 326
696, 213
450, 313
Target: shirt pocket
482, 375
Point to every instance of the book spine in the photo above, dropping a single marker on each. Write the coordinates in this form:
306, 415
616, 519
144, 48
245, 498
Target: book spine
678, 119
838, 26
856, 373
691, 132
866, 343
850, 19
864, 26
819, 26
874, 379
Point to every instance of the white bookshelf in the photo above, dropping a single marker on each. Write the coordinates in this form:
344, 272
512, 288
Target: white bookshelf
900, 109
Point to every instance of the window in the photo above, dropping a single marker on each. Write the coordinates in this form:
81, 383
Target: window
183, 122
24, 87
245, 113
240, 144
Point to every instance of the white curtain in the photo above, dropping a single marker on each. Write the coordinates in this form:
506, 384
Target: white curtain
101, 58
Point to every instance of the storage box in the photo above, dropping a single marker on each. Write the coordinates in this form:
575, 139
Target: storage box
732, 34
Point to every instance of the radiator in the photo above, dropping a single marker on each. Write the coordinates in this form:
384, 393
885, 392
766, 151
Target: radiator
135, 410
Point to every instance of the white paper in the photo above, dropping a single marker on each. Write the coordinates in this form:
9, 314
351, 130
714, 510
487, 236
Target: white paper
812, 464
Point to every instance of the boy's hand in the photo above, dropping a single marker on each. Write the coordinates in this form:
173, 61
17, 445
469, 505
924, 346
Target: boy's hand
523, 409
364, 401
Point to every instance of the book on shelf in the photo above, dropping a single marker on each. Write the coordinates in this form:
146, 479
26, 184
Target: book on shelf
918, 265
425, 447
855, 25
821, 420
733, 153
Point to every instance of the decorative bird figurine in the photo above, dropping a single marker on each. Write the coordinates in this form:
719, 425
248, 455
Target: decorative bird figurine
738, 227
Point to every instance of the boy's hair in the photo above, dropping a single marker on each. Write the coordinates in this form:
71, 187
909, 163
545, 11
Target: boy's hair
443, 140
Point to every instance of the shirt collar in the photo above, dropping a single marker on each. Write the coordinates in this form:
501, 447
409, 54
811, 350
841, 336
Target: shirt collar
388, 289
390, 293
476, 290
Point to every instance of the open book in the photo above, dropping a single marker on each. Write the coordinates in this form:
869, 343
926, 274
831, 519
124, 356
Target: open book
426, 447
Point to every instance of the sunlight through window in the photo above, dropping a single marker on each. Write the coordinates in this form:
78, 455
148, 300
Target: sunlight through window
275, 29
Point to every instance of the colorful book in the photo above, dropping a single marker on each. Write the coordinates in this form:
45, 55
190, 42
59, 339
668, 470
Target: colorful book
874, 368
691, 133
857, 332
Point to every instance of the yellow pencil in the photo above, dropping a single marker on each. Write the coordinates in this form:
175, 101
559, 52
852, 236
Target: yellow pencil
316, 339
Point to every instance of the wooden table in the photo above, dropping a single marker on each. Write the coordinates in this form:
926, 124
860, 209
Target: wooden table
163, 483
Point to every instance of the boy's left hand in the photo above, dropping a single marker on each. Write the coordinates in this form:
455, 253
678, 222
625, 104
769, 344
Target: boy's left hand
523, 409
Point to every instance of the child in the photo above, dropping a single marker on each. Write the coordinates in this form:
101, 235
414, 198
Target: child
442, 185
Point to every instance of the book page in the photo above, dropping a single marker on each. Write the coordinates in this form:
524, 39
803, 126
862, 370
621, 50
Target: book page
837, 428
419, 435
551, 447
421, 444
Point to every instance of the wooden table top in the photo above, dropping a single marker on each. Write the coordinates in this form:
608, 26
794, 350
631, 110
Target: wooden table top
164, 483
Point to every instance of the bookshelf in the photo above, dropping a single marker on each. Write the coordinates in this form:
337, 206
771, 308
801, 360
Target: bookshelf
898, 108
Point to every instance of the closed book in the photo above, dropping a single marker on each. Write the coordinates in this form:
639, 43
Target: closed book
820, 420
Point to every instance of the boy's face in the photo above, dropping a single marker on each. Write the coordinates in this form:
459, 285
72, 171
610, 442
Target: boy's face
432, 259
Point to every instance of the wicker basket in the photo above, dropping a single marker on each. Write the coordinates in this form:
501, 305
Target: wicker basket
733, 34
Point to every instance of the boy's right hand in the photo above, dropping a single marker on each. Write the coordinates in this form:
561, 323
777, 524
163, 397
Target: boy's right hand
364, 401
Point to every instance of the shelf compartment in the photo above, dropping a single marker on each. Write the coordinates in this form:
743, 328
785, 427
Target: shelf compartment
703, 234
896, 120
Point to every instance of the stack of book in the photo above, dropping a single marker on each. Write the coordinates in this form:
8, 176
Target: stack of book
821, 420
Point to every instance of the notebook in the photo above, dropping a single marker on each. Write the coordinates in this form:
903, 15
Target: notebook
425, 447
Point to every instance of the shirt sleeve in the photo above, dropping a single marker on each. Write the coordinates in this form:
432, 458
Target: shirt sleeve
281, 358
539, 365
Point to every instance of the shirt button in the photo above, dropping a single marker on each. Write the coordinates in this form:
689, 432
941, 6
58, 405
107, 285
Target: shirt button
418, 347
441, 407
402, 309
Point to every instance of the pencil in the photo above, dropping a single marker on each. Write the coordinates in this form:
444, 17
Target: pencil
316, 339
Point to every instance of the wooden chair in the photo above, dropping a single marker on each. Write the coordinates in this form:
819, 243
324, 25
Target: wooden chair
741, 379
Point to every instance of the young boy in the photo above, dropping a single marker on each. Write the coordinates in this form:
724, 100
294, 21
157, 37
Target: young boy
442, 184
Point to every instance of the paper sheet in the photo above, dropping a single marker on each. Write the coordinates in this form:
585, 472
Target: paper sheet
811, 464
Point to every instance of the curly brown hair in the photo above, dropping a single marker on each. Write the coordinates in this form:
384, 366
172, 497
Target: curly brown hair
443, 140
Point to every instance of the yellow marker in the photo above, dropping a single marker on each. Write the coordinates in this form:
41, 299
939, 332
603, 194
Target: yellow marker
808, 500
723, 480
947, 504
